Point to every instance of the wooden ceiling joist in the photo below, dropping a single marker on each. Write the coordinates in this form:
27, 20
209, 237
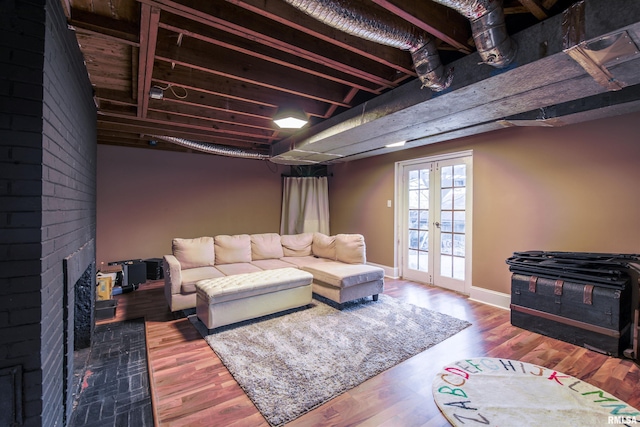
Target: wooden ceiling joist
149, 18
289, 16
536, 8
435, 19
322, 67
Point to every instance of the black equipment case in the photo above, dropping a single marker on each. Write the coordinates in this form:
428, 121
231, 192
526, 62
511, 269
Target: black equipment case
134, 272
154, 268
583, 299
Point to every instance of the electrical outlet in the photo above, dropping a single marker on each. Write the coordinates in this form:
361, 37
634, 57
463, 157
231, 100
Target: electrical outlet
388, 203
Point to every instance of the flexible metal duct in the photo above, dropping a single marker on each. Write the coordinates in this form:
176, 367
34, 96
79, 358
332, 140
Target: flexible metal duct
360, 22
221, 150
494, 45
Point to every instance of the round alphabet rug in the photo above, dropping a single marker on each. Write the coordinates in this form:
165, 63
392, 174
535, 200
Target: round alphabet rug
504, 392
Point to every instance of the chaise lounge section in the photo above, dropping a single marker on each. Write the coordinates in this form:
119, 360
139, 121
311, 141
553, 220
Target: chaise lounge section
337, 263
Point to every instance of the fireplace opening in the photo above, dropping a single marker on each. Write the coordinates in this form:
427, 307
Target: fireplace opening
78, 318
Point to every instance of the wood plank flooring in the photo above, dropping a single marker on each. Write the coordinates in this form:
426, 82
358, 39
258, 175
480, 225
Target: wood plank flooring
191, 387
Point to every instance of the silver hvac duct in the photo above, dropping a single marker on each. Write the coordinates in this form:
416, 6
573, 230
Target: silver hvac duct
492, 41
360, 22
213, 148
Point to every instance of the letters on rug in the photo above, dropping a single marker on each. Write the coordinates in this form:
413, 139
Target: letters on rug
501, 392
288, 364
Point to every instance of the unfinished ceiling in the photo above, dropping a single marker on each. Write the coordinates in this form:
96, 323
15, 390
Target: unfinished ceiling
218, 71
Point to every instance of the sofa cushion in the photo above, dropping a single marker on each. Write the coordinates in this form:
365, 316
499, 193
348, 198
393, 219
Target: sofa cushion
272, 264
324, 246
232, 249
343, 275
192, 253
193, 275
297, 244
350, 248
238, 268
266, 246
301, 261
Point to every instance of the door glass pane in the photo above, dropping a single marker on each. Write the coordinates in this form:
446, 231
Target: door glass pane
458, 268
413, 180
424, 199
424, 178
423, 261
413, 239
459, 221
446, 201
459, 196
458, 244
424, 219
446, 221
414, 201
446, 263
424, 241
413, 259
460, 176
413, 218
446, 177
446, 243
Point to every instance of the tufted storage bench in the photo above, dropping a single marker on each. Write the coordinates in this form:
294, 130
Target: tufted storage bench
224, 300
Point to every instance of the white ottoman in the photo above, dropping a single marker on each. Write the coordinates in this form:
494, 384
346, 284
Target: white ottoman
224, 300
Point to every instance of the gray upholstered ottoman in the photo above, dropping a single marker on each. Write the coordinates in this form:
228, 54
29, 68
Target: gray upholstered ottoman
342, 282
224, 300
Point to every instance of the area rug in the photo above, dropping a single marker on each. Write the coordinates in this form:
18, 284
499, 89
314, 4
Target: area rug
291, 363
504, 392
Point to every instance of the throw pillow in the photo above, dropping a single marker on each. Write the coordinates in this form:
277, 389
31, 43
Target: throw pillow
324, 246
297, 244
232, 249
350, 248
193, 253
266, 246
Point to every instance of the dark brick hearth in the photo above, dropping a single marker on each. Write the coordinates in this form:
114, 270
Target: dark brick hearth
114, 386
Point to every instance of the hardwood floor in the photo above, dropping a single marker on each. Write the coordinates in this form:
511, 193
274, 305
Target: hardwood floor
191, 387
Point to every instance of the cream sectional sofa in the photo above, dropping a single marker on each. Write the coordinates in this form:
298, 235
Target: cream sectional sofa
338, 263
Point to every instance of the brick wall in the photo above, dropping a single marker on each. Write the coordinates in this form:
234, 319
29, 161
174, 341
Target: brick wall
47, 200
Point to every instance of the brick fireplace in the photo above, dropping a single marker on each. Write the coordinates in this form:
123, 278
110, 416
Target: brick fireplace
47, 211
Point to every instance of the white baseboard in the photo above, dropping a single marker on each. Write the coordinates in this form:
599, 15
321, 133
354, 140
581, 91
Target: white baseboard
390, 272
487, 296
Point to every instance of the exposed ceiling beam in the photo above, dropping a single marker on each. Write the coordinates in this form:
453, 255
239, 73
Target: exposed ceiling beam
148, 126
104, 26
149, 18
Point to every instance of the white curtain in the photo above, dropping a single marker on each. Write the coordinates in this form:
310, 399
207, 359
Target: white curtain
305, 205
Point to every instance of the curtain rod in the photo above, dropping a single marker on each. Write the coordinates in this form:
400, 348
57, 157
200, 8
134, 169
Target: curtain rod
284, 175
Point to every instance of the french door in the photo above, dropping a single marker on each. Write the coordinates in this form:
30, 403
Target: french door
435, 221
